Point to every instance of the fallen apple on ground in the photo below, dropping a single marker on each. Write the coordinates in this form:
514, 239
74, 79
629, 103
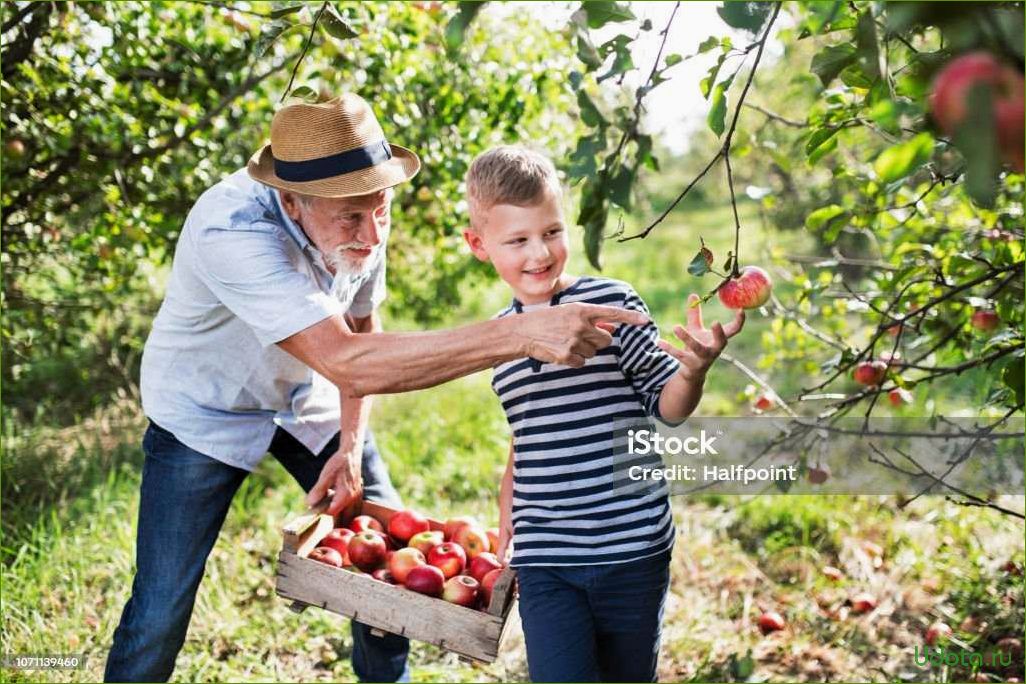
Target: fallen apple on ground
863, 603
937, 631
425, 579
326, 555
461, 590
771, 622
749, 290
449, 557
833, 573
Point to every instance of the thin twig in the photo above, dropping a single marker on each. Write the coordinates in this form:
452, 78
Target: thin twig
306, 46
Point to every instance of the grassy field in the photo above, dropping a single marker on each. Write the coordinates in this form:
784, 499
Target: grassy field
70, 499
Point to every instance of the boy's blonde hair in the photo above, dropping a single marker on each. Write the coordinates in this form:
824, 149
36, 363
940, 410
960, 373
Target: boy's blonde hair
509, 174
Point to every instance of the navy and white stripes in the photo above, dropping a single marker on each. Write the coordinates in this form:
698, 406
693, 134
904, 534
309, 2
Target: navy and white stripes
565, 509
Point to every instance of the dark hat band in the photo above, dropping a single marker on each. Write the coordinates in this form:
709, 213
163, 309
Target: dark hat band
337, 164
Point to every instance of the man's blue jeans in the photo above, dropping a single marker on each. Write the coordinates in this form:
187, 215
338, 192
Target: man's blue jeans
592, 623
184, 498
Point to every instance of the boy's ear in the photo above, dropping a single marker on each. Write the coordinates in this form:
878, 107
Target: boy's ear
476, 244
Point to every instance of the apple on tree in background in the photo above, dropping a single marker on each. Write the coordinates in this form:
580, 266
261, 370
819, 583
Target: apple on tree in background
326, 555
870, 373
403, 561
473, 539
338, 539
899, 396
483, 564
362, 523
367, 551
453, 524
425, 579
763, 403
750, 290
461, 590
949, 100
818, 474
985, 320
425, 541
449, 557
406, 524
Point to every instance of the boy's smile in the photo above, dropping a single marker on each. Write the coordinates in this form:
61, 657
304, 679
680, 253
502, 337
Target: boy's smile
527, 245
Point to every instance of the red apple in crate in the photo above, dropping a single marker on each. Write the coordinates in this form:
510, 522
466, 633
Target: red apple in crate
362, 523
482, 565
384, 575
473, 539
949, 99
389, 543
453, 524
771, 621
488, 585
403, 561
367, 551
985, 320
937, 631
425, 579
326, 555
461, 590
870, 373
425, 541
405, 524
493, 539
750, 290
338, 539
449, 557
863, 603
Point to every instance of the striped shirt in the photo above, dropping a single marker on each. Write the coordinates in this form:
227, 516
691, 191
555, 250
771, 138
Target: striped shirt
565, 510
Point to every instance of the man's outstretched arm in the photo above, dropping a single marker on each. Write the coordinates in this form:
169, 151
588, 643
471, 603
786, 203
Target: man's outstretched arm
383, 363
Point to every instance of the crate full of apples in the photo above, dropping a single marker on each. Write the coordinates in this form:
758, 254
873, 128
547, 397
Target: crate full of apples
400, 572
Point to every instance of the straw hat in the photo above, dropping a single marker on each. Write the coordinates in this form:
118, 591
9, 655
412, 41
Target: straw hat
331, 149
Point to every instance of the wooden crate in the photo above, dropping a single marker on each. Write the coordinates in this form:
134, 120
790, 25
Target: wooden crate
385, 607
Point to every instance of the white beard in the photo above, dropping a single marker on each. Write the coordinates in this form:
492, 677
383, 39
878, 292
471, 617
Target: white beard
346, 272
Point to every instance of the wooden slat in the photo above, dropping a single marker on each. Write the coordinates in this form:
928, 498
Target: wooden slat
503, 592
468, 632
310, 533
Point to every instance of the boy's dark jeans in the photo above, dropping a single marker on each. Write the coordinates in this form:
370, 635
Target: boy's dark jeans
184, 498
591, 623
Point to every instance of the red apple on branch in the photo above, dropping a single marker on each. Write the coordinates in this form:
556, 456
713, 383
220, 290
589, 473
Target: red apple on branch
461, 590
818, 474
985, 320
326, 555
750, 290
870, 373
425, 579
403, 561
899, 396
763, 402
367, 551
448, 557
949, 99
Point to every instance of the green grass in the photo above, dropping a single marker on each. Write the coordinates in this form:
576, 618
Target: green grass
69, 501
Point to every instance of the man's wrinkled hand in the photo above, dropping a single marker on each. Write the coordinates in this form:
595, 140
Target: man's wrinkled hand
341, 473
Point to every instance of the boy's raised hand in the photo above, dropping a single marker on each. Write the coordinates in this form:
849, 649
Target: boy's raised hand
702, 346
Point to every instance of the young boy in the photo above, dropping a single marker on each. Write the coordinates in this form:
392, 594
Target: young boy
592, 565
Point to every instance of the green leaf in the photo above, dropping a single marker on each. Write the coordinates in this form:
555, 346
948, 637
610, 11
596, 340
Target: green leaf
828, 62
586, 51
582, 161
818, 137
269, 33
600, 13
1014, 377
742, 668
284, 11
820, 15
592, 218
900, 160
977, 141
590, 114
824, 216
620, 187
749, 16
699, 265
706, 84
673, 58
708, 44
304, 93
644, 155
457, 27
718, 110
866, 46
336, 26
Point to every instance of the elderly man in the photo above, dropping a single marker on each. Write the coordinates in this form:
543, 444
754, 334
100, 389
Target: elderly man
268, 340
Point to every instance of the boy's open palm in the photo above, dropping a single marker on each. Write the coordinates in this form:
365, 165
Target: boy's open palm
702, 345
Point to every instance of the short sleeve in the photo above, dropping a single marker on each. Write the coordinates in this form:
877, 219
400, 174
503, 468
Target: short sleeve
372, 292
647, 366
250, 272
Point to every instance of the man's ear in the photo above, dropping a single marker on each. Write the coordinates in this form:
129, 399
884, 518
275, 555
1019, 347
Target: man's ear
290, 203
476, 244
